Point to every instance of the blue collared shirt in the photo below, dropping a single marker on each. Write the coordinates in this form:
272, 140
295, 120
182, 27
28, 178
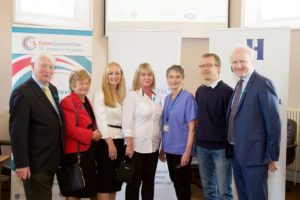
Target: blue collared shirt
246, 80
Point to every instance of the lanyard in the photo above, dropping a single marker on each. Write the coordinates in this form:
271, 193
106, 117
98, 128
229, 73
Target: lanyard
153, 98
169, 109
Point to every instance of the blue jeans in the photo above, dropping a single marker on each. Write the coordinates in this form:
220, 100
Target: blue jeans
215, 172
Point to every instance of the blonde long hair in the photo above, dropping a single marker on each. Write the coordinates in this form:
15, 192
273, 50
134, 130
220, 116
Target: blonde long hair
109, 99
144, 67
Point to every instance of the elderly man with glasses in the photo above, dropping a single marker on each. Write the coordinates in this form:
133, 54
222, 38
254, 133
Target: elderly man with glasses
36, 129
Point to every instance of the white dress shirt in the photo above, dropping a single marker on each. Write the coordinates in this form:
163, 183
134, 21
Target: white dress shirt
107, 116
142, 121
52, 101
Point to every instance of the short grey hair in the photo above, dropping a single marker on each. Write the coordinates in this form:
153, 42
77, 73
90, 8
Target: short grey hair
245, 48
36, 58
176, 68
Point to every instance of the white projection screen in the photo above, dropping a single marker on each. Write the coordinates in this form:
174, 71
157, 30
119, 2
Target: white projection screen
193, 18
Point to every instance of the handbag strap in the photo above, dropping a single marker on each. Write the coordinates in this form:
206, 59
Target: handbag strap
78, 144
127, 159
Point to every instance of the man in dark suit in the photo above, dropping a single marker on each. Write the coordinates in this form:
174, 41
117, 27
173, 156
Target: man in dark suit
36, 129
254, 127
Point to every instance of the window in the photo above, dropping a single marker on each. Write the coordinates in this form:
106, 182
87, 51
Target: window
271, 13
193, 18
74, 14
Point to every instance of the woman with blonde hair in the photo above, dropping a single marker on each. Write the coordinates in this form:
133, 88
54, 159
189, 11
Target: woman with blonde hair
142, 112
110, 150
81, 131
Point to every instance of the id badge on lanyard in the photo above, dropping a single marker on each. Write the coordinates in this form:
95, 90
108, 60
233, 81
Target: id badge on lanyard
166, 128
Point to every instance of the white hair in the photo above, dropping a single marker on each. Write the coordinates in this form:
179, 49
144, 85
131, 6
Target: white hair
246, 49
36, 58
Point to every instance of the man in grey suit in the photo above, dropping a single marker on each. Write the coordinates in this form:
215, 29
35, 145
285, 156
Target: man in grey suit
254, 127
36, 129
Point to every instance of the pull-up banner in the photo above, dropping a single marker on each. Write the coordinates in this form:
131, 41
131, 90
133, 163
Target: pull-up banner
72, 50
161, 49
272, 53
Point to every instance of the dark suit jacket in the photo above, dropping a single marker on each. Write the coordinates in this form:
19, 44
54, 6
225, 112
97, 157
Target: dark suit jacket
257, 126
35, 128
83, 132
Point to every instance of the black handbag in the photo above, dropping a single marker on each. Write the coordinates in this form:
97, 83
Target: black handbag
125, 171
70, 177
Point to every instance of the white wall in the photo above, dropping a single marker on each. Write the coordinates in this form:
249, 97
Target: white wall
294, 94
5, 65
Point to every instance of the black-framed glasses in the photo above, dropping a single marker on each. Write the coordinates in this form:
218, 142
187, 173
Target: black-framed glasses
207, 66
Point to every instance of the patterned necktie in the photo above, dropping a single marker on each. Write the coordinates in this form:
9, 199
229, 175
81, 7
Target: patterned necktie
234, 107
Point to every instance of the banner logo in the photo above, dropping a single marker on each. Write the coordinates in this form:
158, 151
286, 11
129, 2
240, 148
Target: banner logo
29, 43
259, 48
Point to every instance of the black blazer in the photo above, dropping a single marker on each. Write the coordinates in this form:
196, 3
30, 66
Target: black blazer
36, 130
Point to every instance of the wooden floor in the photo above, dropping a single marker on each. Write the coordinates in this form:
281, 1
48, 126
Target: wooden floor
294, 194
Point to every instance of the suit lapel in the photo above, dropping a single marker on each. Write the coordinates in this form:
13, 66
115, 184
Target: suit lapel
79, 105
54, 94
246, 90
41, 95
230, 103
56, 98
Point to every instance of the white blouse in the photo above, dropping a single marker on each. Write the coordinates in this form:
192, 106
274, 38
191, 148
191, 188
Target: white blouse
107, 116
142, 121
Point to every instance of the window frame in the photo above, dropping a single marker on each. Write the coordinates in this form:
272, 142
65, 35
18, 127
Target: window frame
293, 22
82, 19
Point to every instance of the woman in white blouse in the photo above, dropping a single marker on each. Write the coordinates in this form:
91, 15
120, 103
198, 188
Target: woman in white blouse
110, 150
141, 127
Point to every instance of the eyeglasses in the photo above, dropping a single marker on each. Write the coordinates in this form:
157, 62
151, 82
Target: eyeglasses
207, 66
49, 67
240, 62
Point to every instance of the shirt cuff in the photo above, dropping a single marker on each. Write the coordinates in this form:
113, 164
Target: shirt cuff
128, 133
